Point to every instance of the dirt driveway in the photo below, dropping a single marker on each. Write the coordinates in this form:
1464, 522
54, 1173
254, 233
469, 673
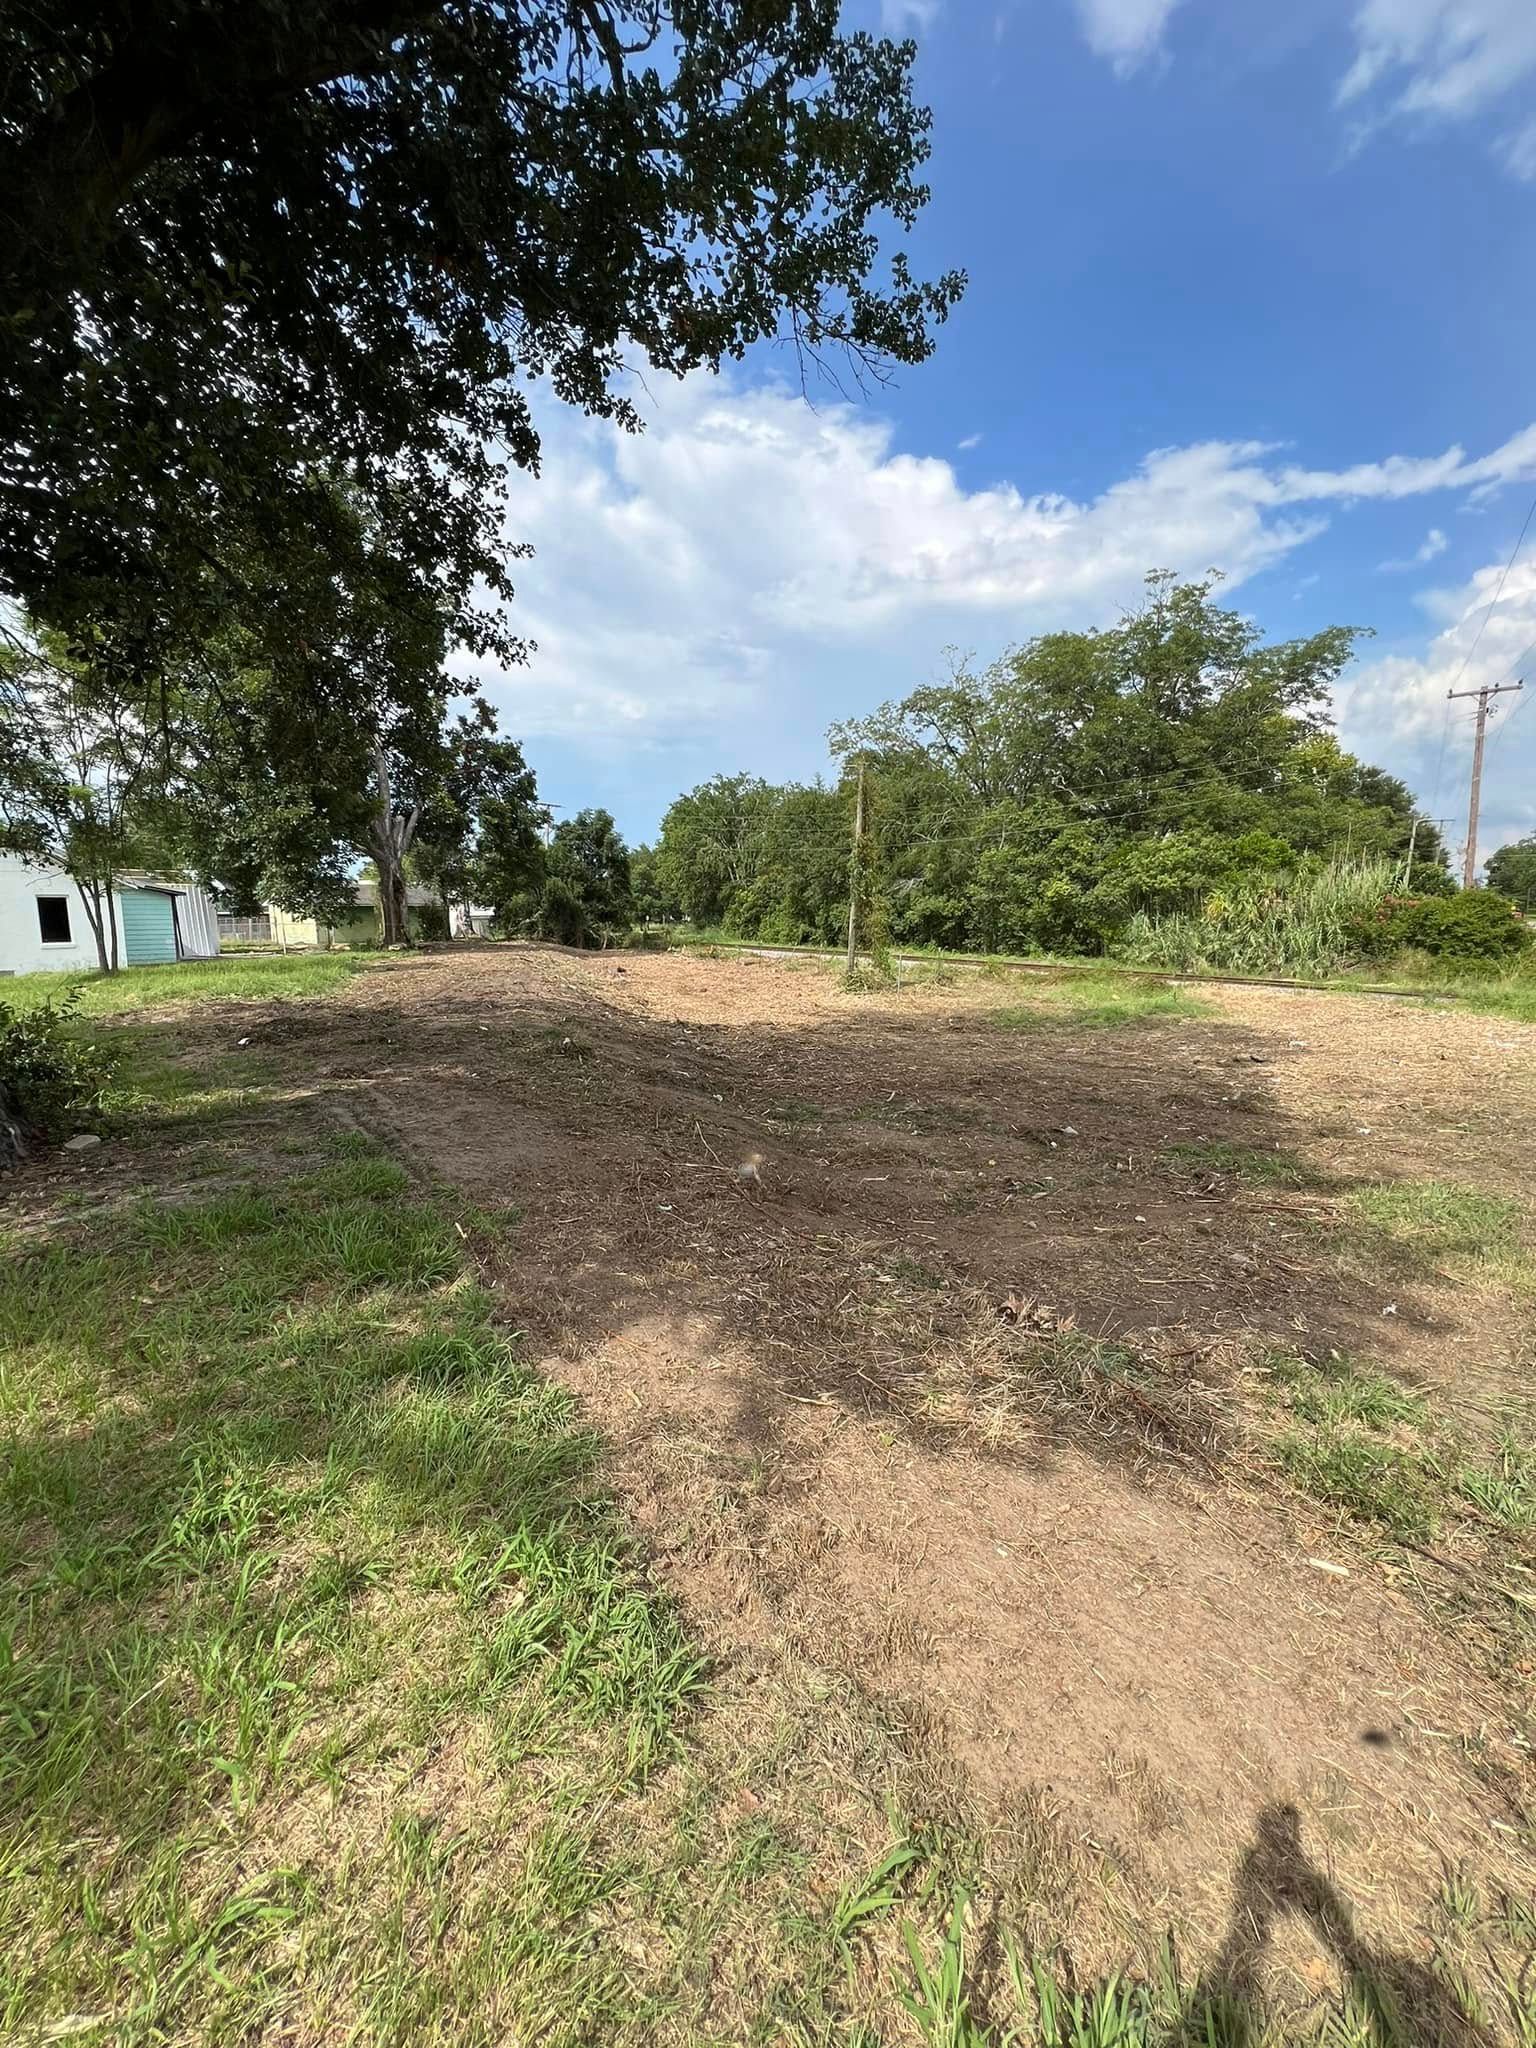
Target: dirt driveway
957, 1402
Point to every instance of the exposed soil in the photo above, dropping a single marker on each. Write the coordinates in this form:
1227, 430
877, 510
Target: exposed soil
823, 1390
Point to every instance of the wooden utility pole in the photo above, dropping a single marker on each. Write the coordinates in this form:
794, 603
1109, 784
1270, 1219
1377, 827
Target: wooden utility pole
1408, 863
853, 875
1469, 867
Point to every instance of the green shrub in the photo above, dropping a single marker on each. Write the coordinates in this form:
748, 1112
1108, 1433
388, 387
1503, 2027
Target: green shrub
1474, 928
53, 1080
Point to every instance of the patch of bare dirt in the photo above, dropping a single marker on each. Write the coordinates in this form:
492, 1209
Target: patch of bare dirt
858, 1411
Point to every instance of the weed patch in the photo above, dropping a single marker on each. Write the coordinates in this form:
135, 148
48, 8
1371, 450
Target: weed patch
1336, 1391
1258, 1166
1097, 1002
1371, 1482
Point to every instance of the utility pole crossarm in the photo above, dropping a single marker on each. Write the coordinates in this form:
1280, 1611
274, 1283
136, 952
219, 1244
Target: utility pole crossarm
1489, 690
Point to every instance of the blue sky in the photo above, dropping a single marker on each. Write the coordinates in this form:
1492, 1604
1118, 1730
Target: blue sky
1251, 288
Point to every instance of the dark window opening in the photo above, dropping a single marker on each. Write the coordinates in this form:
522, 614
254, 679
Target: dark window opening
53, 920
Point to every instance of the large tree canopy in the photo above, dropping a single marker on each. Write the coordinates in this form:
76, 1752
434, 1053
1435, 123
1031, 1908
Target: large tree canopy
254, 249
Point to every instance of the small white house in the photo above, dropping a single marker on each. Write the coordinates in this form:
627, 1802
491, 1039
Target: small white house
43, 922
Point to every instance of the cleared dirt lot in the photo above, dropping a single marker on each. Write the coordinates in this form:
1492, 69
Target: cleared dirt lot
966, 1403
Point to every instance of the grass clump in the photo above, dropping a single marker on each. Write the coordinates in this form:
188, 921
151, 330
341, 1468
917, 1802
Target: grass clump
1337, 1391
1505, 1488
1370, 1481
1097, 1001
1265, 1166
1306, 924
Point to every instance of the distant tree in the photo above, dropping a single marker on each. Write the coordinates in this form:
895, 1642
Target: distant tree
249, 245
1512, 871
586, 895
712, 841
655, 903
76, 762
508, 854
1043, 801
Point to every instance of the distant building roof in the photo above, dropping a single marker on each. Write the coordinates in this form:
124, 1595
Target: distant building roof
416, 897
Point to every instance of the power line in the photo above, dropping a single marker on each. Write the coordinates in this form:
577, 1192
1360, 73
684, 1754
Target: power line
1504, 578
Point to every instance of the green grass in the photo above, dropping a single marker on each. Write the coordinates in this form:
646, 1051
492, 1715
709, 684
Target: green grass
1097, 1001
1490, 991
1336, 1390
1434, 1224
1266, 1166
274, 976
1505, 1488
1369, 1481
281, 1511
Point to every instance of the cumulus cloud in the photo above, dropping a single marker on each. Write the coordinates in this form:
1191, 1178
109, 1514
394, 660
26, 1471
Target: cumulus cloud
1127, 33
749, 568
1395, 709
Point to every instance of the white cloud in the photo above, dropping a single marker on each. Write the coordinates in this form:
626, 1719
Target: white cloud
1396, 710
722, 586
1433, 544
908, 17
1517, 152
971, 441
1442, 60
1127, 33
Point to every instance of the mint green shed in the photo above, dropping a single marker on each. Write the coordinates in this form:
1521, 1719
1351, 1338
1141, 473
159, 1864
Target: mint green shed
149, 926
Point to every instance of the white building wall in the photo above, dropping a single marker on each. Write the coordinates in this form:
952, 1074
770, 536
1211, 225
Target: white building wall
22, 950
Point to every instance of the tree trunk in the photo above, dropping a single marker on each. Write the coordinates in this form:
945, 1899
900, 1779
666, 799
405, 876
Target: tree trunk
90, 897
391, 841
13, 1135
447, 912
385, 856
398, 907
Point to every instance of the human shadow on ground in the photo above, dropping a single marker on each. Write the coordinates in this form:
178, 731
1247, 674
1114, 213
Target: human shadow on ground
1408, 2004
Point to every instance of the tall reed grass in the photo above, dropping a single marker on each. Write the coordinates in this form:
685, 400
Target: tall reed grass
1299, 924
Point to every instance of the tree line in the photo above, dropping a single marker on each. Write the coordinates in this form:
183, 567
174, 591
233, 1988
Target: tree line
1041, 802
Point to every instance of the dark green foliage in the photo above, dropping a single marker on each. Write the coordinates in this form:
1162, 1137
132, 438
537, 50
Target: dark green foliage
1474, 928
584, 898
1512, 871
655, 900
52, 1079
478, 836
253, 247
